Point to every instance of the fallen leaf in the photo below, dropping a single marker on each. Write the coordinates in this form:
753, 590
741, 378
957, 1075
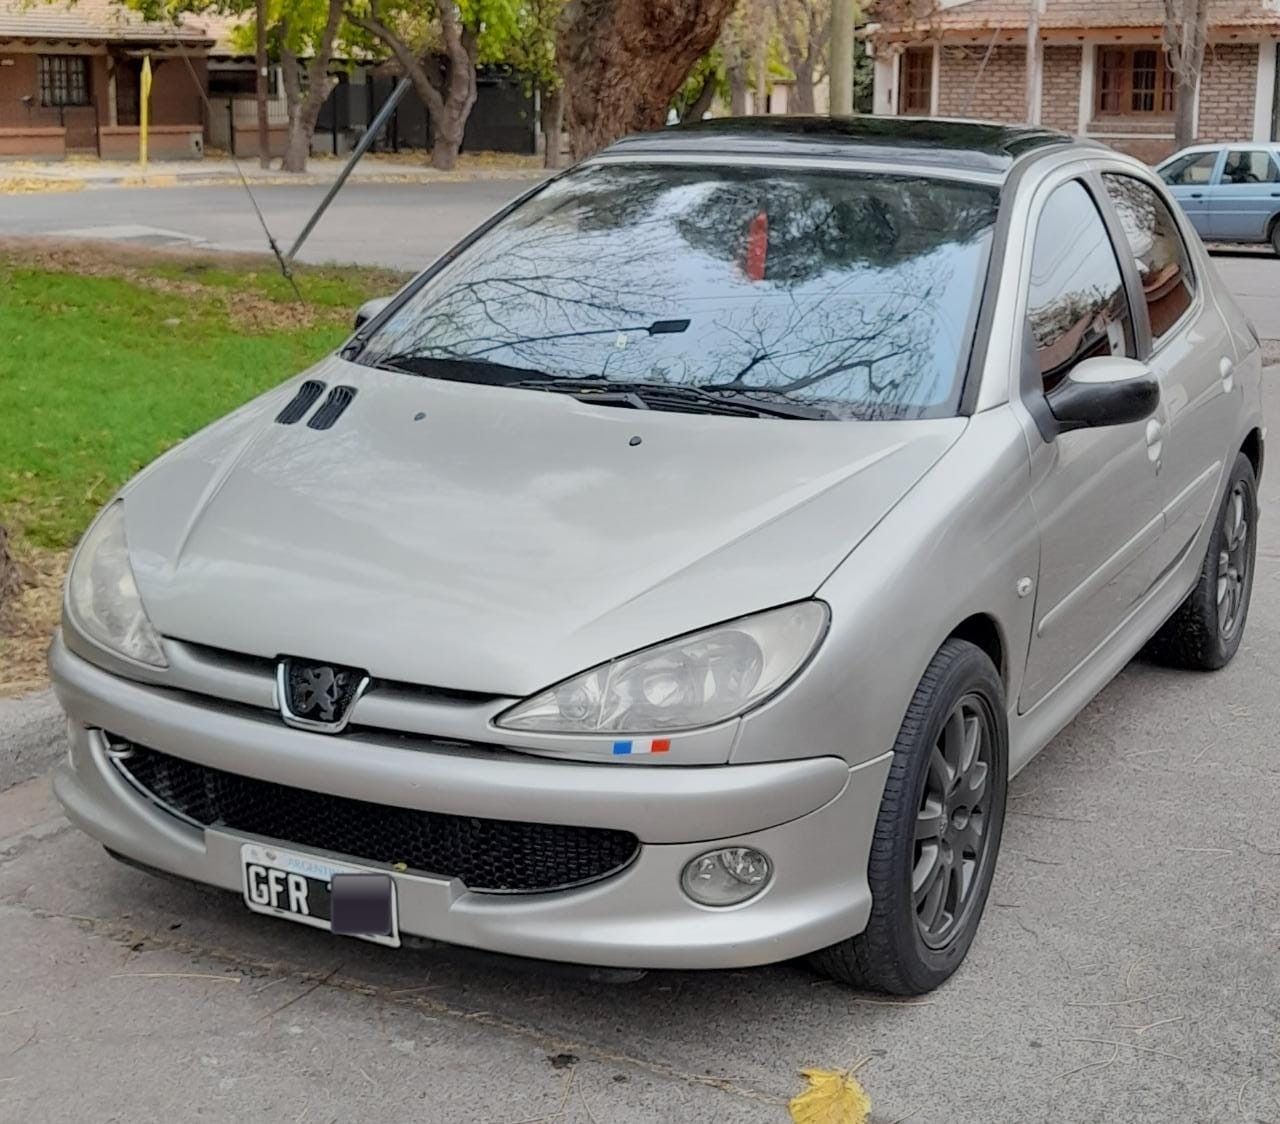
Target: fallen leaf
833, 1097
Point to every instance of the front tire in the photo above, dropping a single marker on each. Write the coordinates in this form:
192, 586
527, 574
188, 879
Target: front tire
1208, 626
938, 833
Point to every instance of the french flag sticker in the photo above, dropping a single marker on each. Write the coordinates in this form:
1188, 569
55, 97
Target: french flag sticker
628, 748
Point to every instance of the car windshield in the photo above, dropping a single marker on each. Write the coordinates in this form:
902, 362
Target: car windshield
853, 293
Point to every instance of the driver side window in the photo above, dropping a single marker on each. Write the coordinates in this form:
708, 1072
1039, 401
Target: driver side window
1077, 307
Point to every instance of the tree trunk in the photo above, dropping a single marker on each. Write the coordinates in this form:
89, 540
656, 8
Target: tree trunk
737, 76
624, 60
449, 103
1186, 32
1184, 123
304, 111
840, 61
802, 92
552, 102
702, 103
260, 86
1035, 63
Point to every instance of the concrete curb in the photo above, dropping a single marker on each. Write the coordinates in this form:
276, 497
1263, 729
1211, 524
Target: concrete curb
31, 736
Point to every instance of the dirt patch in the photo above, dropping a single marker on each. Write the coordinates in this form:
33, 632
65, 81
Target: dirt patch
29, 617
253, 311
36, 185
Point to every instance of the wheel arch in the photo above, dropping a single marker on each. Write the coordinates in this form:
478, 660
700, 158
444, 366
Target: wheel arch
1253, 449
984, 632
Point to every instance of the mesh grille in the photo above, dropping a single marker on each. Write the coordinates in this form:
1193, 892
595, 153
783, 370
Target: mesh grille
488, 855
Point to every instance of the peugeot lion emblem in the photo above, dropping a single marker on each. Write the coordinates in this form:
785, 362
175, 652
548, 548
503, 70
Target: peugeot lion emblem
318, 696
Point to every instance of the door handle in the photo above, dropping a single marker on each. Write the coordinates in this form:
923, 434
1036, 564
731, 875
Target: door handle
1155, 441
1197, 195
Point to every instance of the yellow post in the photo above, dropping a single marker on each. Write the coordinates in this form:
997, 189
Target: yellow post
145, 113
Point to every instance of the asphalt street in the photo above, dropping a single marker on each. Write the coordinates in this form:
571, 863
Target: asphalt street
400, 225
1126, 969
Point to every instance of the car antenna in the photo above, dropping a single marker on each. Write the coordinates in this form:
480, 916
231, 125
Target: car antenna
281, 260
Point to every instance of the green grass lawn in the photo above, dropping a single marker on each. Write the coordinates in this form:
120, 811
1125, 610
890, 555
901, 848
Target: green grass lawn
109, 357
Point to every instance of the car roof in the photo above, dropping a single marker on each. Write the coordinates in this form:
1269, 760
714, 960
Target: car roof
926, 142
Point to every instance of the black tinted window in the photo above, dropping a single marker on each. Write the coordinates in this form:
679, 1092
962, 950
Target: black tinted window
1164, 265
1076, 306
854, 292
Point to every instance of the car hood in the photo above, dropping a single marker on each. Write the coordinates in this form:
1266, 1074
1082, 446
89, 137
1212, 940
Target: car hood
497, 540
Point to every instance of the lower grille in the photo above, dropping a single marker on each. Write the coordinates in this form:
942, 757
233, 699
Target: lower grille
497, 856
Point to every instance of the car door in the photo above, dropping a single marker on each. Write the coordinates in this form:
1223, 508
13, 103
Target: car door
1095, 490
1190, 178
1244, 196
1190, 351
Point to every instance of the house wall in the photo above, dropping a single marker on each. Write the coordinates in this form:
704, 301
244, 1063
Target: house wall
996, 92
164, 142
175, 100
1228, 90
1235, 100
1060, 96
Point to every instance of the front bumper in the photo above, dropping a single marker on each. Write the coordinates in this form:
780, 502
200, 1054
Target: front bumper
814, 818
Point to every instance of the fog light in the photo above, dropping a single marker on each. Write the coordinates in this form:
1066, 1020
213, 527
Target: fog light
726, 877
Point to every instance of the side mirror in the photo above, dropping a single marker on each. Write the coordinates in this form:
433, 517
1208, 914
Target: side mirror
370, 309
1108, 390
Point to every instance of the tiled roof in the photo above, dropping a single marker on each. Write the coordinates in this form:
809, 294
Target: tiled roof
977, 15
97, 21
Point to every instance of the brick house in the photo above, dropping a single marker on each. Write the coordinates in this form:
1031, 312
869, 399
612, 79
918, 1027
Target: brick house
1104, 73
70, 81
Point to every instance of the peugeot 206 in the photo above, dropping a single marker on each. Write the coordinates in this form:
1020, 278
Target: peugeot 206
674, 574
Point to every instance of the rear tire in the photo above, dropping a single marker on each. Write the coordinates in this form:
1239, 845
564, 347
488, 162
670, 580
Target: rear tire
1275, 236
938, 833
1208, 626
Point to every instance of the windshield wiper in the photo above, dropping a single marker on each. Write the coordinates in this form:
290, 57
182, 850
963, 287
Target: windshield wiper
660, 395
459, 370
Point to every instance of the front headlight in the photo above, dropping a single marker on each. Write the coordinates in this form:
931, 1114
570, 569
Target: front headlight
695, 680
102, 597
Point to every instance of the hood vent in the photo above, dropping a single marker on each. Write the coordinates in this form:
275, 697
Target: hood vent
340, 397
296, 410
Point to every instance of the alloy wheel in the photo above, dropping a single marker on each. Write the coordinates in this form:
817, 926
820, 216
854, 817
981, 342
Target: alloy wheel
1233, 560
953, 822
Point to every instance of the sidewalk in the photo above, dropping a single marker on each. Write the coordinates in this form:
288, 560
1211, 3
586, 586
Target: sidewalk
87, 172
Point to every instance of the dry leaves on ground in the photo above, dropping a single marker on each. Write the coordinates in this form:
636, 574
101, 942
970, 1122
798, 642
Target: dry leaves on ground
36, 185
833, 1097
28, 619
253, 311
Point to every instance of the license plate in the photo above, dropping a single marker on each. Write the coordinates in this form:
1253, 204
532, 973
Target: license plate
298, 887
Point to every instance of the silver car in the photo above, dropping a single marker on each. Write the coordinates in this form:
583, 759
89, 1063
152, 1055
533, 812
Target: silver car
675, 573
1231, 192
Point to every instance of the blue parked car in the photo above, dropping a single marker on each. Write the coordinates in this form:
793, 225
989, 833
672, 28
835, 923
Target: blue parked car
1231, 193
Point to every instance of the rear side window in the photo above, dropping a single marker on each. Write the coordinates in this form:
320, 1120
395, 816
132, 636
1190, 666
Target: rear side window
1249, 165
1164, 265
1076, 304
1190, 171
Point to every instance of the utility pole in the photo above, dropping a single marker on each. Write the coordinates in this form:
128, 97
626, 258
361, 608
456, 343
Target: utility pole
841, 68
264, 127
1035, 62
